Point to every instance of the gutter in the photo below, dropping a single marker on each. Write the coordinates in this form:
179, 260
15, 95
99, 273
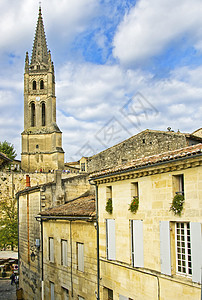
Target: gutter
70, 218
132, 169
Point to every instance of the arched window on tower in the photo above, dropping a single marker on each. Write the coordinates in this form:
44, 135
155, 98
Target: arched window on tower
34, 85
43, 114
33, 118
41, 85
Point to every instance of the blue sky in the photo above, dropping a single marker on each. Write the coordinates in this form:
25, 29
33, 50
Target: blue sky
121, 66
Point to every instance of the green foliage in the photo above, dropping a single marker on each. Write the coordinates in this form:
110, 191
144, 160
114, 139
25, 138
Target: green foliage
109, 207
134, 205
177, 204
8, 223
8, 149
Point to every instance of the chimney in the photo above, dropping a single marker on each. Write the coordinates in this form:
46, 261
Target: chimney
27, 181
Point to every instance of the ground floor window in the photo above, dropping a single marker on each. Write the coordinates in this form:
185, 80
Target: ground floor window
183, 249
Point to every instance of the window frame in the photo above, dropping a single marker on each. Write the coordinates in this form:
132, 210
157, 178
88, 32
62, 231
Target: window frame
185, 251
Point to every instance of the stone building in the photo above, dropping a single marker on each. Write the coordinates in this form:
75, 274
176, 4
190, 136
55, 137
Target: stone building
145, 143
58, 197
41, 138
69, 250
162, 246
139, 257
4, 160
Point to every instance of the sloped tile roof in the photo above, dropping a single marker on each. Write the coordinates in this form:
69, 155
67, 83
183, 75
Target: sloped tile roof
151, 160
82, 206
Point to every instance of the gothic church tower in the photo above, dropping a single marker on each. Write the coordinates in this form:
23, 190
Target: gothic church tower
41, 138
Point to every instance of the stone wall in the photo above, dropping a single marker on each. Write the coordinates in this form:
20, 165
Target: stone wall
29, 231
146, 143
13, 182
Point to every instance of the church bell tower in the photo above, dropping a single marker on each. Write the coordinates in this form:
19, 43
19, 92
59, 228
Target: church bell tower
41, 138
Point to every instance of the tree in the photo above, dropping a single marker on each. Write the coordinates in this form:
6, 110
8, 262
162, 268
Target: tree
8, 149
8, 223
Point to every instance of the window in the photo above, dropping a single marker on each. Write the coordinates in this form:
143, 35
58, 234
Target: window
109, 192
137, 250
52, 289
32, 114
63, 252
34, 85
111, 239
183, 249
43, 114
51, 249
182, 241
178, 184
107, 294
65, 293
121, 297
134, 190
83, 167
41, 85
110, 294
80, 255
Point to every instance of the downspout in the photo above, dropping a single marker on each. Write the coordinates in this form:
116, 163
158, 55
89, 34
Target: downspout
17, 196
28, 242
70, 227
42, 275
98, 244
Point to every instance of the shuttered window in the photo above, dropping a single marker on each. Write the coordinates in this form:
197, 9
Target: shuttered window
51, 249
64, 252
52, 288
111, 239
80, 255
137, 248
188, 249
196, 251
123, 297
165, 247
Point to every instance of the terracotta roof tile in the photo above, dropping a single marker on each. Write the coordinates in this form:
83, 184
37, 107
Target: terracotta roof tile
82, 206
151, 160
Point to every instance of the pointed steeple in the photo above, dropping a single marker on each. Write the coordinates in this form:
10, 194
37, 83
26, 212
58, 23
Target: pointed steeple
39, 51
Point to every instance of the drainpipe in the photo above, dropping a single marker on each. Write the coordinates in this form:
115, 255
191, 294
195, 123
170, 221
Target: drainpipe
42, 279
98, 244
70, 226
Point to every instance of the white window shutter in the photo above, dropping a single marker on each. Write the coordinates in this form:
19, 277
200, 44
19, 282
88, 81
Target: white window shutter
64, 253
111, 239
165, 247
81, 257
196, 251
51, 241
52, 291
138, 243
122, 297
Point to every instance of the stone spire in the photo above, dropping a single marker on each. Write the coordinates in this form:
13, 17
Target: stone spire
39, 51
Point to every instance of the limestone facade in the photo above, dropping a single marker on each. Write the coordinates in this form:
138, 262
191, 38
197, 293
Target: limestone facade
33, 200
41, 138
153, 253
145, 143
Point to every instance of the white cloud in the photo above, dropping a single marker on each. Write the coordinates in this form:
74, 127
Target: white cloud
153, 24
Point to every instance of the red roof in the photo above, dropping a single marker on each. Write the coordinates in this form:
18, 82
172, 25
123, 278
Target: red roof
151, 160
